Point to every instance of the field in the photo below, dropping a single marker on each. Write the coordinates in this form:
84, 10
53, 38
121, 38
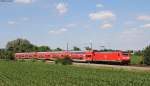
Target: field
42, 74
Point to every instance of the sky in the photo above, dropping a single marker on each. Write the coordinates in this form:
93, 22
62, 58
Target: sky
115, 24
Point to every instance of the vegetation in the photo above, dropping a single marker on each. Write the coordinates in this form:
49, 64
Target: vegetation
75, 48
141, 56
4, 54
43, 48
42, 74
88, 48
20, 45
64, 61
147, 55
139, 53
136, 59
58, 49
23, 45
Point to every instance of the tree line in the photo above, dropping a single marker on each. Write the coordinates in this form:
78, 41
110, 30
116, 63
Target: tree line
23, 45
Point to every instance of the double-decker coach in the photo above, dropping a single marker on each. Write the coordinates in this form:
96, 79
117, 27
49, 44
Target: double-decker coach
82, 56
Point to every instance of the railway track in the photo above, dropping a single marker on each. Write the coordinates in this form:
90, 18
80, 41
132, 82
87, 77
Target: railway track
128, 67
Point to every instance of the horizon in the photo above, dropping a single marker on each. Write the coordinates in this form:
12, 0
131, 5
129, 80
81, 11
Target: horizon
119, 25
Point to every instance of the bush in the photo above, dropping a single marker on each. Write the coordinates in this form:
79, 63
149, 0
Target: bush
57, 61
147, 55
64, 61
5, 54
21, 60
136, 59
33, 60
43, 60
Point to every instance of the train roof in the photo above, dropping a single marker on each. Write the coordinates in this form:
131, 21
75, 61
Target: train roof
77, 52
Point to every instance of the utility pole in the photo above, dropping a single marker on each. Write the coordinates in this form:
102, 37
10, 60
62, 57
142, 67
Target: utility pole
67, 46
91, 45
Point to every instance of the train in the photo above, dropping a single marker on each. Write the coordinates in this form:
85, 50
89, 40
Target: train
79, 56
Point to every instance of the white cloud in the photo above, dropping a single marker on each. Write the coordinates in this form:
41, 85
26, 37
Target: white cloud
146, 26
99, 5
12, 22
62, 30
25, 18
102, 15
144, 18
70, 25
132, 38
132, 32
61, 8
23, 1
106, 26
19, 21
129, 22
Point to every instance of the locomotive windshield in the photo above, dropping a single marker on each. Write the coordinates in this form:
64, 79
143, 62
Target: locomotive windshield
125, 53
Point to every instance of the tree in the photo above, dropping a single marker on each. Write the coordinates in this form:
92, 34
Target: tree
44, 49
58, 49
76, 48
147, 55
139, 53
19, 45
4, 54
16, 46
35, 48
88, 48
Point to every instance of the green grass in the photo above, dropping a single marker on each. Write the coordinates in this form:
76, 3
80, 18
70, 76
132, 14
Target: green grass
41, 74
135, 59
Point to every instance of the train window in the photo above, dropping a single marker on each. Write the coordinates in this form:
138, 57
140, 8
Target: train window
125, 53
88, 55
80, 58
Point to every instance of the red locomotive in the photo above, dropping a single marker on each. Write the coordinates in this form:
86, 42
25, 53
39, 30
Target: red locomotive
86, 56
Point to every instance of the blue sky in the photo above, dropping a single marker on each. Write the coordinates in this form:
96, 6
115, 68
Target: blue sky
116, 24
